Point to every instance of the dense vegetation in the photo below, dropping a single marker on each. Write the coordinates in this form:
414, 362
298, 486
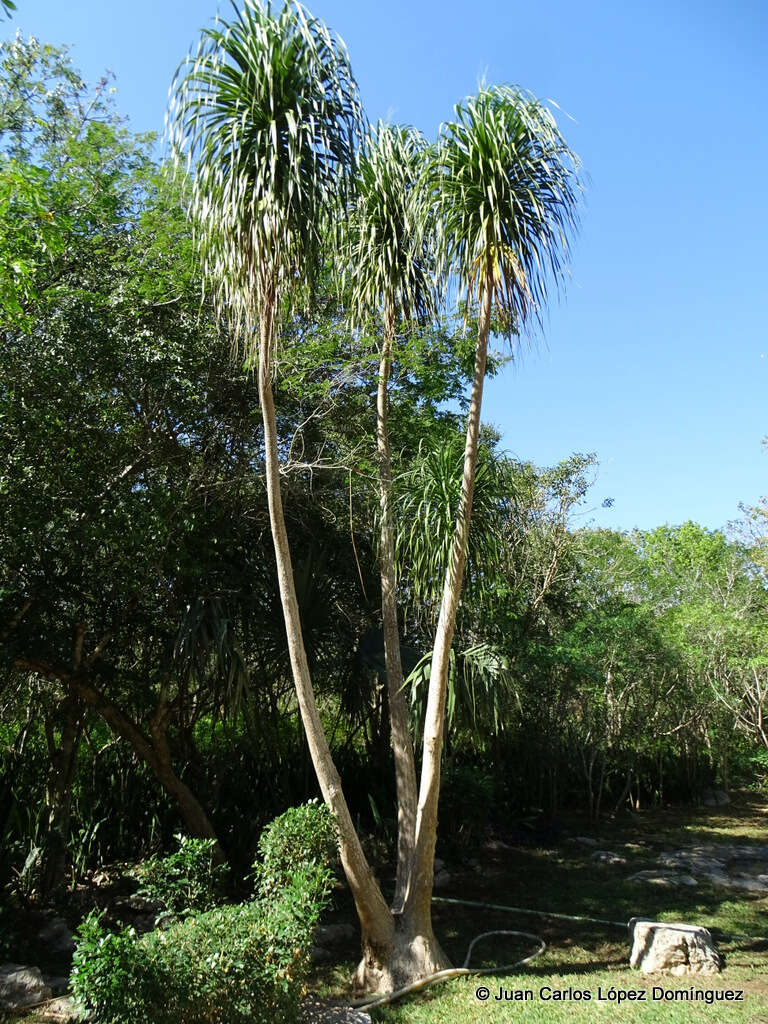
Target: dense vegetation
146, 681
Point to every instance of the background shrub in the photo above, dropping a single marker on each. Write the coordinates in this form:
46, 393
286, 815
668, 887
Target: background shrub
466, 800
186, 881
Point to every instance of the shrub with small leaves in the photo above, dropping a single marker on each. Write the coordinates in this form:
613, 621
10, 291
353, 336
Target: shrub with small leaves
237, 964
187, 881
303, 836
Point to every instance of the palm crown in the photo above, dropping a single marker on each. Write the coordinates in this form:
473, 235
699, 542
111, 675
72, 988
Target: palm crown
507, 187
389, 254
268, 113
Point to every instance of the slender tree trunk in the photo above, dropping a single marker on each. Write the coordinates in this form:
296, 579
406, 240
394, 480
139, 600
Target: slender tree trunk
402, 745
418, 900
63, 754
376, 920
155, 754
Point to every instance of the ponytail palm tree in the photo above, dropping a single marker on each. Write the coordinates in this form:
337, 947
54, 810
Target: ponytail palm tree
506, 187
389, 265
267, 113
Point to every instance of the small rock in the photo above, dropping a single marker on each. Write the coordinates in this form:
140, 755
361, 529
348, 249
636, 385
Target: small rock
21, 986
315, 1012
318, 955
497, 846
608, 857
62, 1009
56, 936
667, 879
661, 948
715, 798
335, 932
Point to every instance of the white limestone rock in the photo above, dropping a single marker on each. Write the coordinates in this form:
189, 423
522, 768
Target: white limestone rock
608, 857
678, 949
665, 879
21, 986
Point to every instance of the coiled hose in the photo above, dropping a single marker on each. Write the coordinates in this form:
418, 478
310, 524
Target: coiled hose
457, 972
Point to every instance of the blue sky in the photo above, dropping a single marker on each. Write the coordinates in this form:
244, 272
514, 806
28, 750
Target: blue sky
657, 357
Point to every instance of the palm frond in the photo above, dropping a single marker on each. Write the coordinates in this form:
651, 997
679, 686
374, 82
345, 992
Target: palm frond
266, 113
388, 256
428, 496
507, 186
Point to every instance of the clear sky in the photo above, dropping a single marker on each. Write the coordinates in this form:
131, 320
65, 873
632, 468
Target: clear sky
657, 357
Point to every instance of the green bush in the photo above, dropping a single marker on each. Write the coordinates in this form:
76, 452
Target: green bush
232, 965
304, 835
185, 882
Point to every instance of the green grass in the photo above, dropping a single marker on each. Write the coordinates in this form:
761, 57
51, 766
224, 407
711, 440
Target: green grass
588, 956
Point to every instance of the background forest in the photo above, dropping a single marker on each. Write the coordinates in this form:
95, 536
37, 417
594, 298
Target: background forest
146, 685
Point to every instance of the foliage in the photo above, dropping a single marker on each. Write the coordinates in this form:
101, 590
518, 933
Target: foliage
242, 963
427, 498
507, 187
466, 802
268, 112
304, 838
185, 882
388, 250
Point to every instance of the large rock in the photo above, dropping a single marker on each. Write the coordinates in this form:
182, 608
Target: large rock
662, 948
335, 932
692, 861
21, 986
731, 866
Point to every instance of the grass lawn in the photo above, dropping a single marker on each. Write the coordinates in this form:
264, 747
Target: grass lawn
591, 958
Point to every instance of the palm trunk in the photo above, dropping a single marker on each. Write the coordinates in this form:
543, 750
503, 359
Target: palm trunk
375, 917
402, 746
418, 903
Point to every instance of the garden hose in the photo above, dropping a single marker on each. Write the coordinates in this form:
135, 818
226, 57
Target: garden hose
457, 972
578, 917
